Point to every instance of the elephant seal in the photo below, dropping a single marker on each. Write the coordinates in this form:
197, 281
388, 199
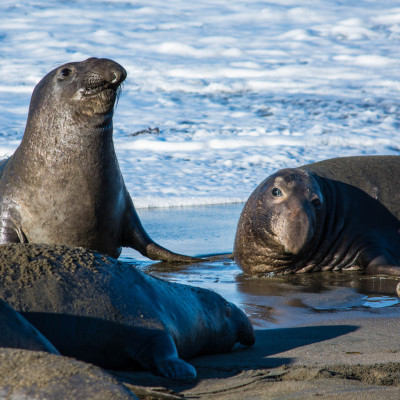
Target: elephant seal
30, 375
16, 332
63, 184
99, 310
342, 213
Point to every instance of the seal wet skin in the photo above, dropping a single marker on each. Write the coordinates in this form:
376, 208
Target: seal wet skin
342, 213
99, 310
63, 184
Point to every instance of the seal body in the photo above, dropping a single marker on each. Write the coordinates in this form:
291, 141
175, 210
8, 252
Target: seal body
63, 184
32, 375
342, 213
18, 333
105, 312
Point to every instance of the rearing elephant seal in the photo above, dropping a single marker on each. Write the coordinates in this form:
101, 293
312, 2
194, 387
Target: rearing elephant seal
342, 213
63, 184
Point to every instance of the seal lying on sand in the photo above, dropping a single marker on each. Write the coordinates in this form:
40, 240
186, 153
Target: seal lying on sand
29, 375
16, 332
342, 213
102, 311
63, 184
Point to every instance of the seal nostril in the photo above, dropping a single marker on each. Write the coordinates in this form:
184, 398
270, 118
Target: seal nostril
114, 78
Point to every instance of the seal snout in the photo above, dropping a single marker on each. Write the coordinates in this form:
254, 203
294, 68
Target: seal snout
112, 73
245, 330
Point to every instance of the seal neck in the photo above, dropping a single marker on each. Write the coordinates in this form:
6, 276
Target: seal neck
57, 146
331, 250
44, 158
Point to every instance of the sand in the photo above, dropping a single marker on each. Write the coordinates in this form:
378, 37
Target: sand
28, 375
352, 358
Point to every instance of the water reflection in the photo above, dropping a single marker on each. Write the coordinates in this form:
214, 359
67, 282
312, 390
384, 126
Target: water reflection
287, 300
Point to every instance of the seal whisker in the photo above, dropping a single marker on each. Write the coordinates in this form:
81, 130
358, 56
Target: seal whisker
118, 95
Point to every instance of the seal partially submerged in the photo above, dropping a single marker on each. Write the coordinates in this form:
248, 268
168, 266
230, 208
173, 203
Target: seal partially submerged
106, 312
63, 184
342, 213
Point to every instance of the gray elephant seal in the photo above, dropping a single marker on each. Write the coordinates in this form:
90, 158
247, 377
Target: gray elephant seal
63, 184
342, 213
109, 313
29, 375
18, 333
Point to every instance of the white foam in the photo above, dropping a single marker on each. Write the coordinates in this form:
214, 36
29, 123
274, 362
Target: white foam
237, 89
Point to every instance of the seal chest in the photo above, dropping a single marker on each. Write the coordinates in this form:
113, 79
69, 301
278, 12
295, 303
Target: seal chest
342, 213
63, 184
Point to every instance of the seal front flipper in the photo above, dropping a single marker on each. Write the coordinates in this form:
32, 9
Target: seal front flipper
135, 236
160, 355
176, 369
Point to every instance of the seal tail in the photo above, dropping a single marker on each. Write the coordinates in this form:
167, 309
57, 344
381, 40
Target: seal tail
136, 237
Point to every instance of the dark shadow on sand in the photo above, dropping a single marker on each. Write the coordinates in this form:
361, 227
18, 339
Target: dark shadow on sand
258, 357
274, 341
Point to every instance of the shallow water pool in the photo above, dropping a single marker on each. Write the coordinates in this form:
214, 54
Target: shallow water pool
276, 302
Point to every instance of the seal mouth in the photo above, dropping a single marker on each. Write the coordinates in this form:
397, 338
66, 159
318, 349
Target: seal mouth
102, 96
246, 335
245, 330
94, 90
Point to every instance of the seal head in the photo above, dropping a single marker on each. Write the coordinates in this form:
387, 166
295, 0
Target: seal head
279, 222
85, 93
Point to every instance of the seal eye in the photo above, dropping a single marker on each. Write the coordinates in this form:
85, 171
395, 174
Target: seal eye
65, 72
316, 203
276, 192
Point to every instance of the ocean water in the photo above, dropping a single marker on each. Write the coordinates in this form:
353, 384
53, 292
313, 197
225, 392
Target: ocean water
219, 95
224, 92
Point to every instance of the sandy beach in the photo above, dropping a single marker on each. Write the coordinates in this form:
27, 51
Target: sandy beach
220, 95
352, 358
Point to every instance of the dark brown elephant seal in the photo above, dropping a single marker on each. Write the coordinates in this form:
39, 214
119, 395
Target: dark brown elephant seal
33, 375
16, 332
342, 213
99, 310
63, 184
